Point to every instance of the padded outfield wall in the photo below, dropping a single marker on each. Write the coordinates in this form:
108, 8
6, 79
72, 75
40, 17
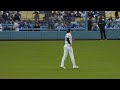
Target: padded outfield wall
45, 35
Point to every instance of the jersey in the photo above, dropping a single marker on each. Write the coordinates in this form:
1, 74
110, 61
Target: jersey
68, 35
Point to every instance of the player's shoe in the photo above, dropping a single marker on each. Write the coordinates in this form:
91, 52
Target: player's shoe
63, 67
75, 67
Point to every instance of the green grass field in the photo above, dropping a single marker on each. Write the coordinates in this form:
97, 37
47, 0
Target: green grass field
41, 60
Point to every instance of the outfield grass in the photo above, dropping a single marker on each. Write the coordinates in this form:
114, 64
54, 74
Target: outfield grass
41, 60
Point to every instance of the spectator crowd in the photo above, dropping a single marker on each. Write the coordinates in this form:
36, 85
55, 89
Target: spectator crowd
58, 20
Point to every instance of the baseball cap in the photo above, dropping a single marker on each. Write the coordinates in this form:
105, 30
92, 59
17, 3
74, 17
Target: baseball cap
69, 30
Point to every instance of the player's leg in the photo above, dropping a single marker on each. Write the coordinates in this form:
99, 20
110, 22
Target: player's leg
64, 57
72, 57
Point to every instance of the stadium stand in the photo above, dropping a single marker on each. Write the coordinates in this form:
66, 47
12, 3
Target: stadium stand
59, 20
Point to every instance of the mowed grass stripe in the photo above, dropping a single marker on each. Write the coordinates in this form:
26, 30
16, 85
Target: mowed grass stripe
41, 59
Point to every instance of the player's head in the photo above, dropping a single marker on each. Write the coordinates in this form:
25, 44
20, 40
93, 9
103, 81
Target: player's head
69, 31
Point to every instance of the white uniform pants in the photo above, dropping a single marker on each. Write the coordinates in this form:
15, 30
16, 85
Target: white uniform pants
68, 49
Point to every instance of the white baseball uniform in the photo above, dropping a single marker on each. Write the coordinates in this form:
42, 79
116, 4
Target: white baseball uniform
68, 49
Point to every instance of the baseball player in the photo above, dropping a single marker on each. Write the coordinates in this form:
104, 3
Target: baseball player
68, 49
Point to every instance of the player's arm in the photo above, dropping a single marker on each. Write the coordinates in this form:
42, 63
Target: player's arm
68, 41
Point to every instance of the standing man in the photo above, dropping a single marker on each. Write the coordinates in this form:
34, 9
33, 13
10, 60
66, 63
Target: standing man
90, 23
101, 25
68, 49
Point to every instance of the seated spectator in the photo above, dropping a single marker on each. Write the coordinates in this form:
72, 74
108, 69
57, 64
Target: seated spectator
29, 25
83, 14
66, 25
56, 24
59, 27
59, 17
65, 17
44, 22
116, 25
82, 24
96, 14
1, 13
36, 25
25, 22
51, 25
95, 27
55, 16
10, 17
18, 14
118, 20
73, 23
16, 17
90, 14
109, 22
61, 24
110, 18
1, 19
52, 18
77, 13
4, 16
16, 25
22, 24
1, 28
62, 13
